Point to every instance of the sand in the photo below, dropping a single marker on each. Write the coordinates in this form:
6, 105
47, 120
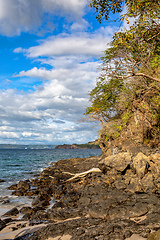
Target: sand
7, 232
136, 237
64, 237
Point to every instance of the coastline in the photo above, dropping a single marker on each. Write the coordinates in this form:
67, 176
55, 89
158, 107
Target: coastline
95, 198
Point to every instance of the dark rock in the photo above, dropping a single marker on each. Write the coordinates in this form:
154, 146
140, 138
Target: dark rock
1, 180
44, 199
2, 225
23, 185
114, 204
13, 212
12, 187
27, 216
7, 220
39, 215
25, 210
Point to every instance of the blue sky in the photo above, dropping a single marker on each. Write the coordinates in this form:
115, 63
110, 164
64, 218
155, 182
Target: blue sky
49, 61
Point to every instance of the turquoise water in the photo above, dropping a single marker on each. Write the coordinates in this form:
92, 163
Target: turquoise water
21, 164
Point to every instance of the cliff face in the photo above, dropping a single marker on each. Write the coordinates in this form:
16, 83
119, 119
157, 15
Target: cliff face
139, 134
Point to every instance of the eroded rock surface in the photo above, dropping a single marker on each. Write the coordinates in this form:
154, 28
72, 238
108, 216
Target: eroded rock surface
120, 200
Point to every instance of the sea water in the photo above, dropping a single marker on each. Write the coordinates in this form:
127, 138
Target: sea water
21, 164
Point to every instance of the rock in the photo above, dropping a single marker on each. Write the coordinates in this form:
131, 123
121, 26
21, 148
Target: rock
1, 180
4, 222
38, 199
140, 164
120, 184
119, 162
12, 187
2, 225
23, 185
119, 203
13, 212
154, 236
155, 164
148, 184
135, 185
138, 210
39, 215
25, 210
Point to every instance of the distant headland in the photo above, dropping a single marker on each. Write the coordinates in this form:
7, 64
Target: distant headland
89, 145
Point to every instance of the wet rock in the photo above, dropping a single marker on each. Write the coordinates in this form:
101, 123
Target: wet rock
12, 187
2, 225
140, 164
39, 215
41, 200
23, 185
27, 216
25, 210
13, 212
119, 162
116, 204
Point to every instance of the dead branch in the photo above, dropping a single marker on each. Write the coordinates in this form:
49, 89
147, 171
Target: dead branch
79, 175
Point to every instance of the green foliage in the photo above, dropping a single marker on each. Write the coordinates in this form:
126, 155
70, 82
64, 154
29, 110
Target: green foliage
104, 98
130, 79
135, 8
135, 52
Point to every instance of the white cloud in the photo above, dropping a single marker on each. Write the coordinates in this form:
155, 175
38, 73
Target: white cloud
75, 44
69, 45
56, 106
18, 16
50, 114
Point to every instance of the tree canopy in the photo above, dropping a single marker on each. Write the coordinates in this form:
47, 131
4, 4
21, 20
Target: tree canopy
135, 8
128, 90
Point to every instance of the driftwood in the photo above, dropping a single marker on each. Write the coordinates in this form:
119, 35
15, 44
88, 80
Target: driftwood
79, 175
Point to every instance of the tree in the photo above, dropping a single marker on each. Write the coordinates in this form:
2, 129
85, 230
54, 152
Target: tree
135, 8
127, 96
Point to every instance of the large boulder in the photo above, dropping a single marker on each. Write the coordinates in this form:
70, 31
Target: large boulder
140, 164
119, 162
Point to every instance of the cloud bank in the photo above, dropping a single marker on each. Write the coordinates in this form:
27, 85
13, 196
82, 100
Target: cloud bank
66, 69
18, 16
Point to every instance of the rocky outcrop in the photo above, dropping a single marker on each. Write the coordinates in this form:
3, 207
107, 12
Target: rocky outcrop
119, 162
90, 145
107, 197
13, 212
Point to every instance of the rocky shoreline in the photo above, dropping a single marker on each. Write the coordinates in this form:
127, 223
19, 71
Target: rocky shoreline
113, 196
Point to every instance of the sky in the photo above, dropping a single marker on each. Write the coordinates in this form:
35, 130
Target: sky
49, 62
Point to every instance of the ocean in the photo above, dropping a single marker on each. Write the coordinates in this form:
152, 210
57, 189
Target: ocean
20, 164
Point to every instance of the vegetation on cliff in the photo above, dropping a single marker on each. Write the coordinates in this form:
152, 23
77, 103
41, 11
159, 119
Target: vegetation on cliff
89, 145
126, 98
